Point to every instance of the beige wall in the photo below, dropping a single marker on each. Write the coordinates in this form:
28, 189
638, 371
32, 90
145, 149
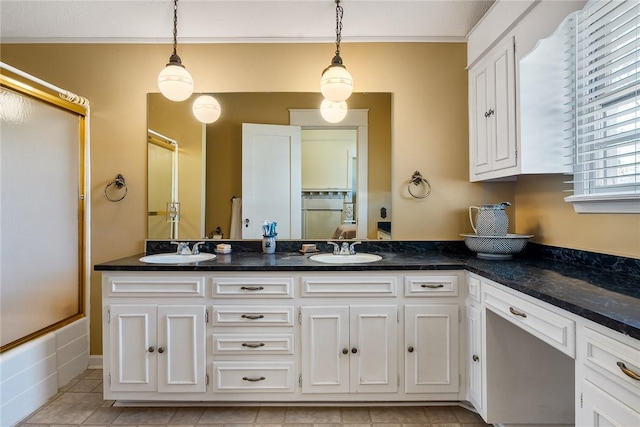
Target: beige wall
429, 131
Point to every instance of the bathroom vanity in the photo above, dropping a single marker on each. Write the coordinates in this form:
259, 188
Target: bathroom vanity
413, 327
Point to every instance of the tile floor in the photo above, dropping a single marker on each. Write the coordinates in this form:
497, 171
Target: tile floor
80, 403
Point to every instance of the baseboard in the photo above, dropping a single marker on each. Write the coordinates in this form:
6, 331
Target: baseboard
95, 362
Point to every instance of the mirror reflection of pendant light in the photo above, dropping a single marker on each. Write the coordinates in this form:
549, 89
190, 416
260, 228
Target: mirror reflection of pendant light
206, 109
336, 83
333, 112
174, 80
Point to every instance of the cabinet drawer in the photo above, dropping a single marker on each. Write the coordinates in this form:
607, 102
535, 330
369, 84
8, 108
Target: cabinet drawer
552, 328
155, 286
474, 288
248, 344
247, 287
614, 360
253, 376
241, 315
345, 286
434, 286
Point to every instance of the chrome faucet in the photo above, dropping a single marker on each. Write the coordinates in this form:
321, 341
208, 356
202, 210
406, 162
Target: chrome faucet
195, 250
336, 248
344, 248
183, 248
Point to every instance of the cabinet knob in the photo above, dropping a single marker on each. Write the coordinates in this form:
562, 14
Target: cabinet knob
354, 350
345, 351
151, 349
160, 349
410, 349
475, 358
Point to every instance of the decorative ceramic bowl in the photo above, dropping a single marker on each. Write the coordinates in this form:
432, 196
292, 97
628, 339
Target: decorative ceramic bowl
496, 247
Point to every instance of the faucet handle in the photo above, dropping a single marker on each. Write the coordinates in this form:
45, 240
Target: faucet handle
336, 247
195, 250
183, 248
352, 248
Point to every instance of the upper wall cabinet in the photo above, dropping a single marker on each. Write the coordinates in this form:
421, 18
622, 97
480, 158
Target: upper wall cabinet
513, 101
492, 110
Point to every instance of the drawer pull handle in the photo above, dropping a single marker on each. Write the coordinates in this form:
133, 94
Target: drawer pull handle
252, 288
628, 372
253, 345
254, 379
252, 316
432, 285
475, 358
517, 313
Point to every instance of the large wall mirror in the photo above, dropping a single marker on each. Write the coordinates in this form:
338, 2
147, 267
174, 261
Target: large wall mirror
199, 168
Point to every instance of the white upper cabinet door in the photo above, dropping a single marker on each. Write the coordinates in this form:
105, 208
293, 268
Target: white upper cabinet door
374, 349
492, 114
431, 354
181, 348
132, 356
271, 179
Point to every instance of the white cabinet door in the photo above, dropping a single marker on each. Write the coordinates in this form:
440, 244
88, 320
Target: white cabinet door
492, 114
157, 348
181, 348
478, 121
374, 349
475, 360
431, 354
349, 349
503, 121
132, 334
325, 349
600, 409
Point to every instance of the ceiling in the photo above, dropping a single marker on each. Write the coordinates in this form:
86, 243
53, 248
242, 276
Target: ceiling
225, 21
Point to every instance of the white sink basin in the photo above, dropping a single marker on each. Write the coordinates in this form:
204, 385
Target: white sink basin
176, 258
345, 259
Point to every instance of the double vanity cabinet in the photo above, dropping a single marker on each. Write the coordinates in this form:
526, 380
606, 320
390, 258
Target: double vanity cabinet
283, 336
410, 336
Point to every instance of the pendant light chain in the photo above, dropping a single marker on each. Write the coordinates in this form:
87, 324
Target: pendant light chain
175, 27
339, 14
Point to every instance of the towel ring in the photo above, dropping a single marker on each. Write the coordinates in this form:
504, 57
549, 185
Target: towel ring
120, 183
418, 180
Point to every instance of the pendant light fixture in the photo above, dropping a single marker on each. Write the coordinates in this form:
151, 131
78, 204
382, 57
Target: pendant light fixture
206, 109
336, 83
174, 80
333, 112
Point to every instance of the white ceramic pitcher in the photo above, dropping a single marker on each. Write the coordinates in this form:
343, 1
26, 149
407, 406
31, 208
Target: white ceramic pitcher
491, 220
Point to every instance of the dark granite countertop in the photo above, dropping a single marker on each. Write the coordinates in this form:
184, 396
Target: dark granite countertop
606, 294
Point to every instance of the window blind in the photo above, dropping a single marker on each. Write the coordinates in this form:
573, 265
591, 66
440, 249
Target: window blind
606, 154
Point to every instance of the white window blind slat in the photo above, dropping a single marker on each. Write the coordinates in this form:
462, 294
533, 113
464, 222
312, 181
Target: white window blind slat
606, 126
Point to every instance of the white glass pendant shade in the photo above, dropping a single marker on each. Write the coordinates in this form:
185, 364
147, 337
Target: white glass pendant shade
336, 83
206, 109
175, 82
333, 112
